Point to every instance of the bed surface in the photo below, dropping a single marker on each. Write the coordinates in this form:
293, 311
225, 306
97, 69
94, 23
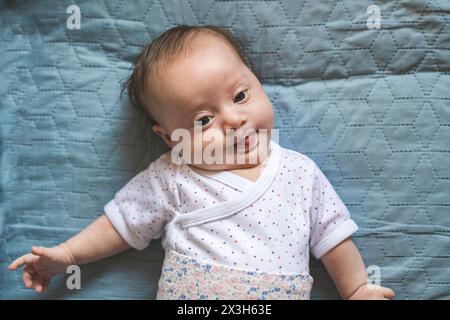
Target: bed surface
371, 107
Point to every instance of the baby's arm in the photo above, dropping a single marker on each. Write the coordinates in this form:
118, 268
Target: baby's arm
346, 267
97, 241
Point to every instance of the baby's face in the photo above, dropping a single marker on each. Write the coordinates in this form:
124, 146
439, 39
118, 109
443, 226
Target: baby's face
212, 85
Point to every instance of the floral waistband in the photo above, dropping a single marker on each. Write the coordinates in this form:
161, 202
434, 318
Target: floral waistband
189, 278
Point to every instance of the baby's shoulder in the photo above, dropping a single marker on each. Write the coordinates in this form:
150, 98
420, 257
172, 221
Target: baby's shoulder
162, 168
163, 162
297, 160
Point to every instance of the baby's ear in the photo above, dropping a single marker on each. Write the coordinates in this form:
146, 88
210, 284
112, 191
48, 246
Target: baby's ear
160, 131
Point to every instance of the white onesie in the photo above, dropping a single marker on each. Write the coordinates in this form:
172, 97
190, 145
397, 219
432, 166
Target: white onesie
269, 225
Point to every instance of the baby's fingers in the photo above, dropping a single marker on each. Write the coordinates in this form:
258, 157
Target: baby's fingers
38, 284
25, 259
388, 293
27, 276
32, 280
16, 264
45, 285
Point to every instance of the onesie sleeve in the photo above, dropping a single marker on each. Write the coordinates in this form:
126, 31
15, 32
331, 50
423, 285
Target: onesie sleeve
329, 217
140, 210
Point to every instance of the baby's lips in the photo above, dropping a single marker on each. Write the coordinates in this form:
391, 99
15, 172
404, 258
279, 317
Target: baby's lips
242, 134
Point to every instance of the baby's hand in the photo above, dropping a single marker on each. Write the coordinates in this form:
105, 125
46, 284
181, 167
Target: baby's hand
42, 264
372, 292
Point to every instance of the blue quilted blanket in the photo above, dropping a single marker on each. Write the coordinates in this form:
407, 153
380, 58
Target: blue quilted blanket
370, 104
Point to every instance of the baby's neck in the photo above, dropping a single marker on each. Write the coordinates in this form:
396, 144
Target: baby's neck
252, 173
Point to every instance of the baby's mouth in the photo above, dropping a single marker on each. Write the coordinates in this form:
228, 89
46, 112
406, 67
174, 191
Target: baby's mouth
247, 143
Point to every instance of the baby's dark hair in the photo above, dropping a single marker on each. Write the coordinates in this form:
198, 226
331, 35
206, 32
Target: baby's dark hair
168, 45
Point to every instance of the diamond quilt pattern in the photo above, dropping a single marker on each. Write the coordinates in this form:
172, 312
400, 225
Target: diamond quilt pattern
371, 107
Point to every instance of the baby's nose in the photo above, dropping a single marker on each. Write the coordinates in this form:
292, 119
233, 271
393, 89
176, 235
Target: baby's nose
234, 120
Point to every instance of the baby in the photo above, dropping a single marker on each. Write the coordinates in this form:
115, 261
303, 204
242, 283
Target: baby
230, 230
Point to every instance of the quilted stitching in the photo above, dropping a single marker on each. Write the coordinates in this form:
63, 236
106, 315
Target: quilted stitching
371, 107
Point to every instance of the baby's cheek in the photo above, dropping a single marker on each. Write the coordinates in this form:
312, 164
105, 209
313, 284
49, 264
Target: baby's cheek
204, 145
264, 110
268, 117
212, 137
200, 142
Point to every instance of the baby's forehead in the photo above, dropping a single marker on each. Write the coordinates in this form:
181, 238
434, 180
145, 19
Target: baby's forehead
202, 71
201, 51
210, 62
207, 47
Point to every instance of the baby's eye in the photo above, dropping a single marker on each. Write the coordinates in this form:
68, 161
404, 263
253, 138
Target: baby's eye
204, 120
240, 96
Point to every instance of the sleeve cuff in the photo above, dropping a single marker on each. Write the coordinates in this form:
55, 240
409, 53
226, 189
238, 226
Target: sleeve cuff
113, 214
344, 231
